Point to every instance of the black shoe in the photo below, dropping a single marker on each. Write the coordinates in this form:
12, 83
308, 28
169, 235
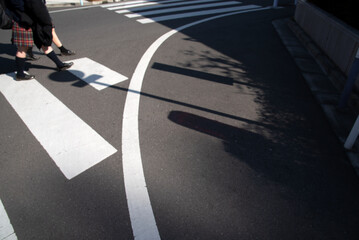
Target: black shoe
65, 66
67, 52
31, 57
25, 77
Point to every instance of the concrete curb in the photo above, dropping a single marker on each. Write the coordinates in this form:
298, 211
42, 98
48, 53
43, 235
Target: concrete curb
324, 80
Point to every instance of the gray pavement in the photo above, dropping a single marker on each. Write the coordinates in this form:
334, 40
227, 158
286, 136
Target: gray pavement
314, 65
311, 67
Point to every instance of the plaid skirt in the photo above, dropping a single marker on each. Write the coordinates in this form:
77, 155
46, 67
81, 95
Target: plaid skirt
22, 37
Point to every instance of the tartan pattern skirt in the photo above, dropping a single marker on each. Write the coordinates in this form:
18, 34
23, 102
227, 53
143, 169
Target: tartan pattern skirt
22, 37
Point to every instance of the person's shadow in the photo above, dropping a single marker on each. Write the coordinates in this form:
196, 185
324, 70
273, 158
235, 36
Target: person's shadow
75, 76
7, 58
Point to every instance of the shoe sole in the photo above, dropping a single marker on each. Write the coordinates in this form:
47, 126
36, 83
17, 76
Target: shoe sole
24, 79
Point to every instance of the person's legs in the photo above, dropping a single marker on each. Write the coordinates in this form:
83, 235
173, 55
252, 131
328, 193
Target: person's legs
21, 51
30, 55
55, 38
58, 43
20, 64
49, 51
23, 39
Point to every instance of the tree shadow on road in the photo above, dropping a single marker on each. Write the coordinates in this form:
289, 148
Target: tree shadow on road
290, 144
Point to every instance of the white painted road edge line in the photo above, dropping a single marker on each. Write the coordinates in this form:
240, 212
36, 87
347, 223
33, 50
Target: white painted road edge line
73, 9
70, 142
143, 222
6, 229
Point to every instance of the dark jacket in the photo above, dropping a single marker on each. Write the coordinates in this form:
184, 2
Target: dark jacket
5, 19
16, 10
42, 25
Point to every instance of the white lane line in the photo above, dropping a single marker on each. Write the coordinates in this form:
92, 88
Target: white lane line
71, 143
122, 4
177, 9
132, 6
141, 214
87, 7
73, 9
95, 74
6, 229
194, 14
174, 4
122, 11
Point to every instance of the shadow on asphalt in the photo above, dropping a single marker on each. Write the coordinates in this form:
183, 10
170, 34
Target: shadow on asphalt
7, 64
290, 145
284, 147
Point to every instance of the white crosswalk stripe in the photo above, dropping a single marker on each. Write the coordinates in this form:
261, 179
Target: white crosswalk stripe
123, 3
132, 6
72, 144
166, 4
95, 74
158, 11
154, 12
6, 229
195, 14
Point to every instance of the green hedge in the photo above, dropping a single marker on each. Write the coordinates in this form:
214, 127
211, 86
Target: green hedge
345, 10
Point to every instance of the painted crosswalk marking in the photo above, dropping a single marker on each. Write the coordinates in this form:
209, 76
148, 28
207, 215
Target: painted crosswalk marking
196, 14
6, 229
132, 6
136, 4
170, 5
95, 74
166, 10
70, 142
123, 3
177, 9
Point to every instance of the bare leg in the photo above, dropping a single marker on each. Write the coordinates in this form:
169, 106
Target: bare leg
55, 39
58, 43
47, 49
21, 52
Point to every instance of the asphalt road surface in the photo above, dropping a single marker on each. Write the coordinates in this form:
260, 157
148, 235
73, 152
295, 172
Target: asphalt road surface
188, 120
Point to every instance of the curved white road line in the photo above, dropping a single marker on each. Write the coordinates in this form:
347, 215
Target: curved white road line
142, 219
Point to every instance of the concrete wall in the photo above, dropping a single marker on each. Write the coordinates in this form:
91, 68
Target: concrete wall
338, 41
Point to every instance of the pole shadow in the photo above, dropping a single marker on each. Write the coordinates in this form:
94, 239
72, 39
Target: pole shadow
193, 73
